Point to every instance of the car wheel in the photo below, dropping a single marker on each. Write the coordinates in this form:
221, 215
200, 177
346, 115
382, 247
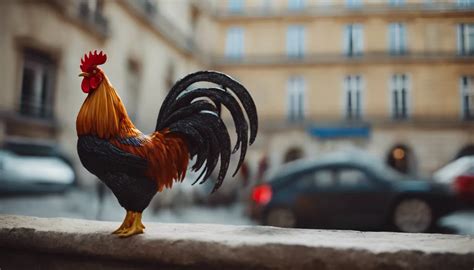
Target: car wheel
281, 217
412, 215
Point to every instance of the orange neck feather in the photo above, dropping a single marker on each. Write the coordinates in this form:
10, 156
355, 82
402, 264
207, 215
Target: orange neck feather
103, 114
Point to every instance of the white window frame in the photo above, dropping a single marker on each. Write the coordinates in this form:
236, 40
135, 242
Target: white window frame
397, 38
396, 3
397, 83
354, 3
353, 35
267, 5
296, 4
465, 45
465, 3
234, 42
295, 41
352, 85
296, 98
467, 90
235, 6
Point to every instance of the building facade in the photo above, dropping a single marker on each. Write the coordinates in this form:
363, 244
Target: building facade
43, 41
395, 78
390, 77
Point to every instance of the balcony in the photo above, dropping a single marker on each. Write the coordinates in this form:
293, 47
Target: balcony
337, 10
151, 15
376, 57
93, 18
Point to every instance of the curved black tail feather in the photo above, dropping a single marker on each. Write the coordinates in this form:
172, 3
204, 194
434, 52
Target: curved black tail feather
195, 114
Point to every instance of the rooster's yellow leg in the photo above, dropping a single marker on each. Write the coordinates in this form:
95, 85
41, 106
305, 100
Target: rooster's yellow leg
127, 222
135, 228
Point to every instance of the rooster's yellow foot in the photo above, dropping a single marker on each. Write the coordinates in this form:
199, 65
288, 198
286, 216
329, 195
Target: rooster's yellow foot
127, 222
136, 226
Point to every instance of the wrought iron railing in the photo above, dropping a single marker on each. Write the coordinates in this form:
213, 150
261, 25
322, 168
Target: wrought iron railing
341, 10
335, 58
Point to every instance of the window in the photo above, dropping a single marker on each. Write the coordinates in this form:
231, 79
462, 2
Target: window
91, 12
133, 80
91, 9
37, 85
353, 96
353, 40
397, 38
466, 39
350, 177
150, 7
266, 5
295, 4
296, 95
319, 179
467, 97
399, 96
354, 3
295, 41
396, 2
465, 3
293, 154
235, 42
235, 5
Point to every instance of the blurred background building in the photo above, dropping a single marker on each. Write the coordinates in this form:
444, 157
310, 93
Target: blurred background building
394, 78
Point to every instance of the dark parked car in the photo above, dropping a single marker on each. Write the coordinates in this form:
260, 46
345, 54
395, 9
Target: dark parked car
349, 191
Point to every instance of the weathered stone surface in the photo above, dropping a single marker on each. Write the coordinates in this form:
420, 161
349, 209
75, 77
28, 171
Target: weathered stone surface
40, 243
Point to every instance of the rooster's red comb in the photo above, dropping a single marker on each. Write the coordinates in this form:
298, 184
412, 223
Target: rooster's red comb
92, 59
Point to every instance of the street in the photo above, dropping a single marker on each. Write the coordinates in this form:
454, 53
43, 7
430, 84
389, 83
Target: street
84, 204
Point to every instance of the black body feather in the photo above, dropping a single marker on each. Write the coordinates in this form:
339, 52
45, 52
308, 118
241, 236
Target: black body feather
122, 172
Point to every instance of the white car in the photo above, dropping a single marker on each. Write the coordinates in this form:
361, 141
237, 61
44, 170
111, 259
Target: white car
20, 173
448, 173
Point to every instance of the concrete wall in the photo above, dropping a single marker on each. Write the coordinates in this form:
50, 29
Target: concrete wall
27, 242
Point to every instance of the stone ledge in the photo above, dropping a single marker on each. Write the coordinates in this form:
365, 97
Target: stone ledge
43, 243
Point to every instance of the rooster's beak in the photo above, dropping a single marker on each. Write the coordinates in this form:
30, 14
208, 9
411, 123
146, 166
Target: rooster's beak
84, 74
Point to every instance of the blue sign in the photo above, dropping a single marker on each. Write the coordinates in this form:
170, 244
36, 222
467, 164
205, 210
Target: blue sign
333, 132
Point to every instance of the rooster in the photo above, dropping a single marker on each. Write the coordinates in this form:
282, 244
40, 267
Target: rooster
136, 166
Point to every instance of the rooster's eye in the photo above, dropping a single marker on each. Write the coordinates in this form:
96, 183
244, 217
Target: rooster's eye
94, 71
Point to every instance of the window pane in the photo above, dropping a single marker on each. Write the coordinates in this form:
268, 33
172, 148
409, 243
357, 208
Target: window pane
397, 36
234, 42
296, 95
354, 3
235, 5
27, 91
324, 178
467, 92
295, 4
318, 179
37, 85
352, 177
45, 108
354, 40
396, 2
295, 41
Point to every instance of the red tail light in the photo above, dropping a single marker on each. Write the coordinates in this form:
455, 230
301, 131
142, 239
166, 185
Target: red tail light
464, 186
262, 194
